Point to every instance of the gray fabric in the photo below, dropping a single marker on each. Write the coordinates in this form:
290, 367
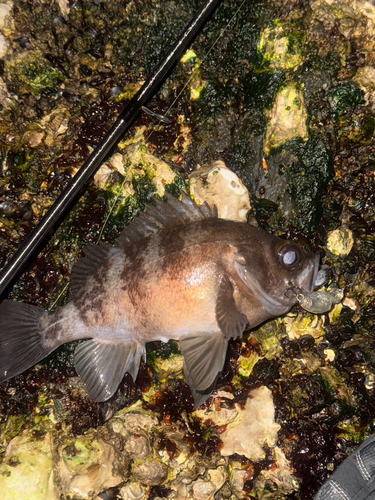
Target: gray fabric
355, 478
331, 490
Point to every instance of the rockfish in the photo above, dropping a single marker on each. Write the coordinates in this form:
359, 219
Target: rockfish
176, 272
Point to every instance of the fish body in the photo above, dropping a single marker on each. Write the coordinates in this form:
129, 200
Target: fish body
177, 272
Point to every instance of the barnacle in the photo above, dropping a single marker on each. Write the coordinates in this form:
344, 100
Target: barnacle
287, 118
253, 427
219, 186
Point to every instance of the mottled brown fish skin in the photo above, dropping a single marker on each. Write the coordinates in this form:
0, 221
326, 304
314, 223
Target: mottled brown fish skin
169, 286
177, 272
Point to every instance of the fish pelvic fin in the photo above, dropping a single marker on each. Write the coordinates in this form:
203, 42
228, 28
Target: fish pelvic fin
102, 364
22, 338
204, 356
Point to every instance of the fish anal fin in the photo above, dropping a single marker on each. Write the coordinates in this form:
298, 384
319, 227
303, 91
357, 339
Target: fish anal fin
94, 256
230, 320
102, 364
204, 357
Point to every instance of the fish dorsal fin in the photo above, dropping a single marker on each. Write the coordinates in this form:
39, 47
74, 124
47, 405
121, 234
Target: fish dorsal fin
172, 213
94, 256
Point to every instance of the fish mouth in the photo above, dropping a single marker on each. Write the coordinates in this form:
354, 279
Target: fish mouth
308, 278
312, 277
322, 275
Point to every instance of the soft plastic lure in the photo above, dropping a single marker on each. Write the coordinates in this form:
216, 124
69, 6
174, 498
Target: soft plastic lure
319, 302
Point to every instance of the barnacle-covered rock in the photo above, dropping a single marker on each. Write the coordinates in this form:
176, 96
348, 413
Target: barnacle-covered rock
133, 491
134, 163
191, 64
5, 15
220, 187
307, 178
86, 467
32, 73
137, 447
27, 468
340, 242
205, 489
280, 45
304, 324
287, 118
130, 421
150, 473
216, 413
159, 172
280, 478
247, 362
254, 427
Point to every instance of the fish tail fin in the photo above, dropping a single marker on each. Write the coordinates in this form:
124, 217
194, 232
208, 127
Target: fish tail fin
22, 342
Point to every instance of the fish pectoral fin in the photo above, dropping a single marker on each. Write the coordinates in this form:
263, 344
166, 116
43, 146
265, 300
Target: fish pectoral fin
204, 357
231, 322
101, 365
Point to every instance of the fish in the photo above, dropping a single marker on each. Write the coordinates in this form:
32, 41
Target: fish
177, 271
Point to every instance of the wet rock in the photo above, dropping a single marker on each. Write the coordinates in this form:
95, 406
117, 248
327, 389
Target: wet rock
220, 187
254, 427
27, 468
340, 242
150, 473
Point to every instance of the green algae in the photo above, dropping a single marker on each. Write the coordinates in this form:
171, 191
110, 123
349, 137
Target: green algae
32, 73
308, 178
280, 46
287, 118
343, 99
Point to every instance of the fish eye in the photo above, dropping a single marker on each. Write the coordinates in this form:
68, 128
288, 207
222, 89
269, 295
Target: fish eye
289, 256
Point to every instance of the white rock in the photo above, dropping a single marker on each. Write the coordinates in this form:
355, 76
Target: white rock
217, 185
5, 9
3, 46
254, 427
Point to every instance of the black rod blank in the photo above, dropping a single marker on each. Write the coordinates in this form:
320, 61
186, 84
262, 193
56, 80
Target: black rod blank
126, 118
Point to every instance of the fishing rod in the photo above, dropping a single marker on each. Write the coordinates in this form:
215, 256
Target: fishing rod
125, 120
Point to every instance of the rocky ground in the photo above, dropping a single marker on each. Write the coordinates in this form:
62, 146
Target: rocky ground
283, 92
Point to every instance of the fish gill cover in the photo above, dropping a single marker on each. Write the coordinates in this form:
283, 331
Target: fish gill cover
286, 98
